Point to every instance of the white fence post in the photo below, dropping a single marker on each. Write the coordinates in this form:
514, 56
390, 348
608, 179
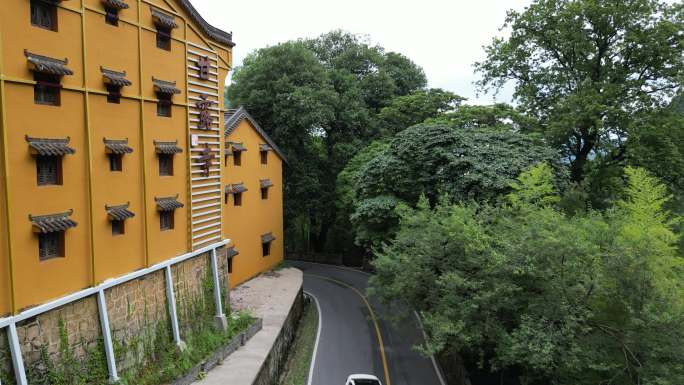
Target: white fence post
17, 359
221, 321
107, 337
171, 299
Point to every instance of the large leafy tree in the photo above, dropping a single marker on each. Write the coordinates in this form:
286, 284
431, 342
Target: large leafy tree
586, 68
405, 111
436, 159
318, 99
551, 299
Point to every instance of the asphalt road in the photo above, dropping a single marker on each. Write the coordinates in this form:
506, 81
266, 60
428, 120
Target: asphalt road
349, 340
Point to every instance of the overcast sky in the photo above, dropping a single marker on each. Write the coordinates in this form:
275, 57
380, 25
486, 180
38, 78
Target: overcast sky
445, 37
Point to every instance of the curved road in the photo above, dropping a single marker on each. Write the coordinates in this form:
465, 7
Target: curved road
349, 340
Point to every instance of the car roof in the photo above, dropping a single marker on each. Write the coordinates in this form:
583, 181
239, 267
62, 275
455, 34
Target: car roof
362, 377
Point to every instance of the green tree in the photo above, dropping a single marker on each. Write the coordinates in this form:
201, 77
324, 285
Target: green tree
585, 68
434, 159
499, 115
550, 299
405, 111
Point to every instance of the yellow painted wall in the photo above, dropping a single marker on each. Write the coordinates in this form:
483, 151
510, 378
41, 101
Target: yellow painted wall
245, 224
5, 284
82, 32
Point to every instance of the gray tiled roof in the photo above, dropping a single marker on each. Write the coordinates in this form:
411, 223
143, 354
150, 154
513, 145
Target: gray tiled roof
167, 203
167, 147
213, 32
50, 147
117, 146
115, 77
234, 146
165, 87
119, 213
163, 19
48, 65
265, 147
118, 4
235, 188
265, 183
231, 121
231, 252
268, 237
52, 222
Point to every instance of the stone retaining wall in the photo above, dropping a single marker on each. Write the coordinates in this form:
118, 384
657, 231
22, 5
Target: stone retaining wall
136, 309
273, 366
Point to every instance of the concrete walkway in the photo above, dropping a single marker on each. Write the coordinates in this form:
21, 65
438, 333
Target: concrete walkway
270, 297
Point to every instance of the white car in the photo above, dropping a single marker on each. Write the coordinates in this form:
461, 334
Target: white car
363, 379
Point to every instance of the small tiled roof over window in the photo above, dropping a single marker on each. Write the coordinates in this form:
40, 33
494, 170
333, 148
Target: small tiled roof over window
167, 147
165, 87
52, 222
117, 146
265, 147
235, 188
48, 65
268, 237
117, 4
119, 213
163, 19
237, 147
265, 183
115, 77
50, 147
167, 203
231, 252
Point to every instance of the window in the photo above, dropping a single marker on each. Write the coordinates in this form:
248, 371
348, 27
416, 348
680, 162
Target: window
237, 199
266, 249
264, 157
118, 227
44, 15
264, 193
115, 162
113, 93
165, 164
164, 38
164, 105
111, 16
49, 170
47, 89
166, 220
51, 245
237, 158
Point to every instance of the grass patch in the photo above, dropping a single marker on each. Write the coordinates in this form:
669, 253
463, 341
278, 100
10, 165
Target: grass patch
298, 363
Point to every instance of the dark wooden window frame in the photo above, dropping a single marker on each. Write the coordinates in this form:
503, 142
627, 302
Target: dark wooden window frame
113, 93
50, 245
164, 38
164, 104
237, 199
44, 15
47, 89
166, 220
49, 170
165, 164
237, 158
115, 162
264, 193
266, 249
118, 227
264, 157
230, 265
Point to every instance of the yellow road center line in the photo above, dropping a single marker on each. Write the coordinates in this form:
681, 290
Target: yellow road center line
373, 318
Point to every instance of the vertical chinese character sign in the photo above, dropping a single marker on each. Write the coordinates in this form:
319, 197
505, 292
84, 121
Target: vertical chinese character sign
205, 159
203, 64
205, 118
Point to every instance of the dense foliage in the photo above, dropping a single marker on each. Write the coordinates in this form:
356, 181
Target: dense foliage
587, 70
552, 299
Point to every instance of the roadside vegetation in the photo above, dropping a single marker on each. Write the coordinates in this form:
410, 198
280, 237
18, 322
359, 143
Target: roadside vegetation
540, 242
301, 352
